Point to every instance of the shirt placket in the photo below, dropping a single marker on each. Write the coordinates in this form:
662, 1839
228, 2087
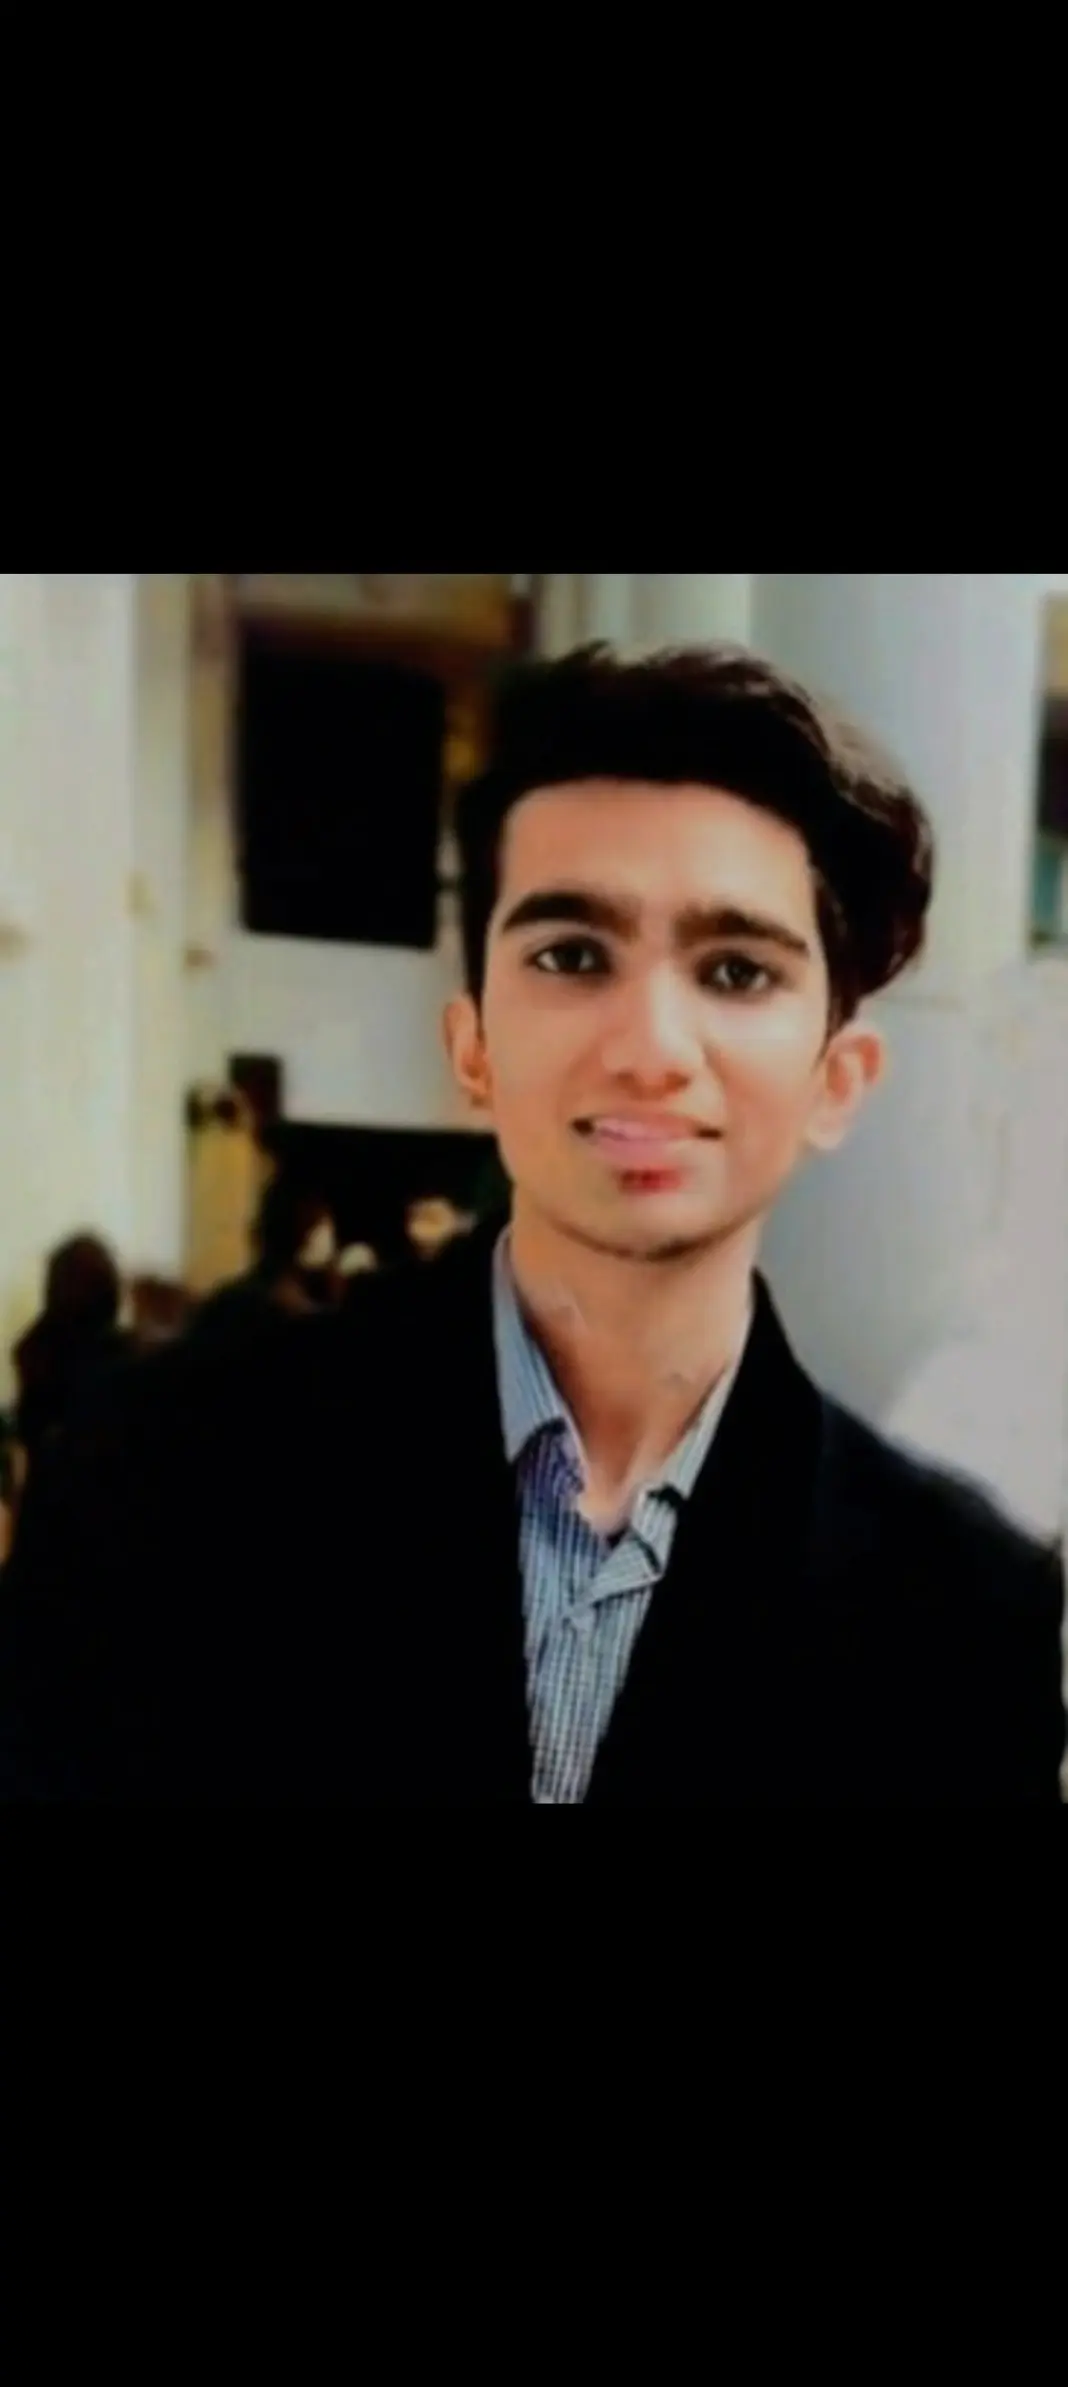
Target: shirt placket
622, 1572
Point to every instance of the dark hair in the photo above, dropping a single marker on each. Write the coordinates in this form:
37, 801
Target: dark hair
82, 1284
717, 717
287, 1213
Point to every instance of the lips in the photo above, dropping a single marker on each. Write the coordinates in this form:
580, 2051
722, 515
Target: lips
653, 1128
643, 1143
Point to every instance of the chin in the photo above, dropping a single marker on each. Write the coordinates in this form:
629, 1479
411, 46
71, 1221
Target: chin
650, 1227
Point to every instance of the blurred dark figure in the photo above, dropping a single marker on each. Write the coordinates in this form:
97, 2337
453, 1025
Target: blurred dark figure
295, 1271
74, 1344
8, 1473
431, 1222
358, 1259
160, 1309
357, 1263
493, 1191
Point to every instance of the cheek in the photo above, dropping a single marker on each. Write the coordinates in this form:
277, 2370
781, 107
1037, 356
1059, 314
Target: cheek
528, 1053
525, 1102
768, 1067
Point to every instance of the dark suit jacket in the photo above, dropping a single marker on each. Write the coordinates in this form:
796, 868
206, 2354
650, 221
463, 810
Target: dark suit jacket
294, 1577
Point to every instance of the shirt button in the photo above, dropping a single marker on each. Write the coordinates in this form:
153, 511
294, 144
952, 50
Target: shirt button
581, 1621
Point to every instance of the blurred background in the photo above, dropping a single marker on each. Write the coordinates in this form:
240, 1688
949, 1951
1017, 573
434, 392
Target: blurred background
227, 929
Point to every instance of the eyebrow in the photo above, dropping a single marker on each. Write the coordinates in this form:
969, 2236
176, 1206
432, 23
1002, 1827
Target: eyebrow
698, 924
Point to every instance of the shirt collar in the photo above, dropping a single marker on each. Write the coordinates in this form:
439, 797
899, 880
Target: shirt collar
529, 1397
531, 1401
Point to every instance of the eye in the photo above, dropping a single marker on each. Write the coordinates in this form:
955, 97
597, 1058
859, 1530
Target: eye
570, 957
735, 974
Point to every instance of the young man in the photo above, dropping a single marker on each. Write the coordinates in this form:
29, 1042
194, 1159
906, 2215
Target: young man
561, 1518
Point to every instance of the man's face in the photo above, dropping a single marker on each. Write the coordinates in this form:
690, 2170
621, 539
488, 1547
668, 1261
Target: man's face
652, 1043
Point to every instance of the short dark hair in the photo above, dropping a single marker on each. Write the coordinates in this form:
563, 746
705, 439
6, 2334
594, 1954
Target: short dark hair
83, 1287
714, 717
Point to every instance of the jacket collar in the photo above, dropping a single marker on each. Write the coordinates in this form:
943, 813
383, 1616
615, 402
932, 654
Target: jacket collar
769, 1439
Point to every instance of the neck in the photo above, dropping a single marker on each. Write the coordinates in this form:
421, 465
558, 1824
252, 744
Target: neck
635, 1345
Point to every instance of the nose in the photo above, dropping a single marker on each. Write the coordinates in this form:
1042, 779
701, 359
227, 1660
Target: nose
653, 1039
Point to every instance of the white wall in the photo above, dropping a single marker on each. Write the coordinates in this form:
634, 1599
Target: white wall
872, 1249
991, 1396
692, 608
356, 1026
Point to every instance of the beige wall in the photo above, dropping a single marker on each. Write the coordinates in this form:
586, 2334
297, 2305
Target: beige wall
1055, 645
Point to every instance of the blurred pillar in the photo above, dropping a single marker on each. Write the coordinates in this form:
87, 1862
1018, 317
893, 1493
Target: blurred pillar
93, 799
646, 609
574, 607
606, 606
67, 1014
558, 612
692, 608
160, 832
212, 900
876, 1251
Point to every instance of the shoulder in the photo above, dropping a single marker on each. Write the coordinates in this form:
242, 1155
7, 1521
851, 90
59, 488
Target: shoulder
909, 1508
31, 1348
399, 1328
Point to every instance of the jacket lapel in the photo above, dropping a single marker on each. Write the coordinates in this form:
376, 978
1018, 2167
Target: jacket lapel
706, 1713
707, 1710
472, 1741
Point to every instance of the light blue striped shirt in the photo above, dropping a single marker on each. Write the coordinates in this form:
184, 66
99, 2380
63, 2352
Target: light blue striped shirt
585, 1594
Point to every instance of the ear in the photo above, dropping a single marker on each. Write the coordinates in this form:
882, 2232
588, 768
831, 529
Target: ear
854, 1062
466, 1048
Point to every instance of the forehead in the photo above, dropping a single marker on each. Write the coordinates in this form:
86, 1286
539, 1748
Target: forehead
660, 846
